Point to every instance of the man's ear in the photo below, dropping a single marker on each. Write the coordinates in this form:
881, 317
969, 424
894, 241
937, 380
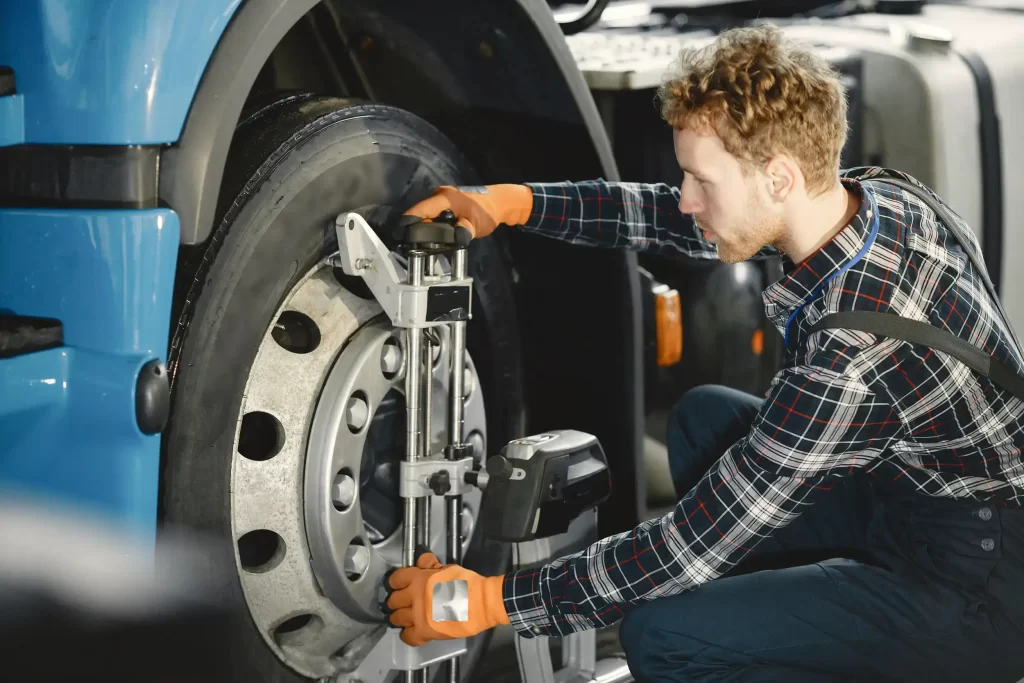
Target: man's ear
783, 177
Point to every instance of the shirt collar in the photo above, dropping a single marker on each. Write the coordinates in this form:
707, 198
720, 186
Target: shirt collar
803, 280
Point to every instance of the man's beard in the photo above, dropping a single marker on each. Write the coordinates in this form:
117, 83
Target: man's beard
759, 231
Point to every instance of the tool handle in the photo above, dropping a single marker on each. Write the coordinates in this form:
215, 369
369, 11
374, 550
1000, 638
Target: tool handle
443, 230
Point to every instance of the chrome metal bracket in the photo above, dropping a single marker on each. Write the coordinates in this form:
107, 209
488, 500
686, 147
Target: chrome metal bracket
415, 477
439, 300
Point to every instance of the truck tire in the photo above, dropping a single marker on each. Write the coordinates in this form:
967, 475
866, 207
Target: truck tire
295, 164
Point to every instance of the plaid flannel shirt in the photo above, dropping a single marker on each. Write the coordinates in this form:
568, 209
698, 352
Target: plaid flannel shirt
842, 400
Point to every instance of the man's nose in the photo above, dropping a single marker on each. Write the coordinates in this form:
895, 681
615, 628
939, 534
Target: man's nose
688, 203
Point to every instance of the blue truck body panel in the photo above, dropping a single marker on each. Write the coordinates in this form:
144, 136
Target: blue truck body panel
106, 72
93, 72
67, 415
12, 120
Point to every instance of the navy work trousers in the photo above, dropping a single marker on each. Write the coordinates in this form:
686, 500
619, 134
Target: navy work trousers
872, 583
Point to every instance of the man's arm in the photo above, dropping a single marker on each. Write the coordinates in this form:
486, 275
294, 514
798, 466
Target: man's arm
638, 216
814, 427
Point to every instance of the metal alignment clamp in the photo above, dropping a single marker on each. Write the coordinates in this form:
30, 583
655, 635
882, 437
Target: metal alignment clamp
420, 294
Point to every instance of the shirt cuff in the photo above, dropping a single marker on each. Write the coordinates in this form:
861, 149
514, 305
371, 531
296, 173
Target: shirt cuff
550, 210
523, 595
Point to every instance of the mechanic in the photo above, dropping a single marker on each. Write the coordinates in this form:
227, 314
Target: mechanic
862, 520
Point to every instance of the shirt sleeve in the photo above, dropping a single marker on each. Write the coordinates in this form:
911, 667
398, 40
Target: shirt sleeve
637, 216
814, 426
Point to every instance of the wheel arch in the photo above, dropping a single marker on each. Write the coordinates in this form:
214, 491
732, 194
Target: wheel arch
504, 68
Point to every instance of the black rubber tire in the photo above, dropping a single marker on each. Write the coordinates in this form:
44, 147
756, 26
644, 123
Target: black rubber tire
295, 164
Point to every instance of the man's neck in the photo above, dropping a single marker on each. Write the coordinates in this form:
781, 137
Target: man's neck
818, 222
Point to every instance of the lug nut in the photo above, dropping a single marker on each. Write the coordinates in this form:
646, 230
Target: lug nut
357, 559
356, 413
476, 440
391, 358
343, 491
467, 524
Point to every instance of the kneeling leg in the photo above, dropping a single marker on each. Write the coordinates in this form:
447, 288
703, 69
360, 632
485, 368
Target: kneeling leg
837, 620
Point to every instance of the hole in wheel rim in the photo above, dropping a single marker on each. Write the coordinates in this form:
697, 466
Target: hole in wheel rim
295, 630
260, 550
353, 283
296, 332
350, 655
260, 437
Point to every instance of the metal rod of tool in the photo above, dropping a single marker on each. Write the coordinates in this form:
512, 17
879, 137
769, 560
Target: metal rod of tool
456, 416
427, 360
456, 386
423, 504
413, 429
413, 392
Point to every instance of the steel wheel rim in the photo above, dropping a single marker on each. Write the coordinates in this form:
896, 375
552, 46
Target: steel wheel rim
316, 619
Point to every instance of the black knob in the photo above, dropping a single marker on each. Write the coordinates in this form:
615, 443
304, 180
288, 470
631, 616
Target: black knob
152, 398
447, 216
440, 483
499, 466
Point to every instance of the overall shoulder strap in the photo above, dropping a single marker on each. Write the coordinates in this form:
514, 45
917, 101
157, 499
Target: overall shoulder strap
951, 224
917, 332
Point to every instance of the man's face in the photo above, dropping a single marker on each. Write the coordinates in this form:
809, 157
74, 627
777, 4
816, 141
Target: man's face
729, 205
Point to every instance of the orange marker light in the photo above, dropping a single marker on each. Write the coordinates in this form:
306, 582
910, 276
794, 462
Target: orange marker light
757, 342
669, 325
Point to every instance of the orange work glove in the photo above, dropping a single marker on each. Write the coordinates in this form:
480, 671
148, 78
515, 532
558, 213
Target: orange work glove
466, 603
479, 209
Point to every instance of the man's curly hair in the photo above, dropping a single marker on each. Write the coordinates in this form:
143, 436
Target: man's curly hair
762, 95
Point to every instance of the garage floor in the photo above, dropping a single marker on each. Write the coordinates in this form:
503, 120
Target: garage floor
500, 666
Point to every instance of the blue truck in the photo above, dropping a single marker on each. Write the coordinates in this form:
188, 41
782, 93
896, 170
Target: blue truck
175, 341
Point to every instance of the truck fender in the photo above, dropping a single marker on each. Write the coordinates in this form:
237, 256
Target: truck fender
192, 169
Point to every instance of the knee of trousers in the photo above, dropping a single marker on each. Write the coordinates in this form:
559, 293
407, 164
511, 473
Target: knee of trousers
635, 632
685, 411
631, 637
659, 652
685, 425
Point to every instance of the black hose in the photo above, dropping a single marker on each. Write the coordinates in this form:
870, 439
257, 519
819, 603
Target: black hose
591, 14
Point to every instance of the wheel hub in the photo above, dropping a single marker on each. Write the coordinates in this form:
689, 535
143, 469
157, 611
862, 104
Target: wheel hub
315, 507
